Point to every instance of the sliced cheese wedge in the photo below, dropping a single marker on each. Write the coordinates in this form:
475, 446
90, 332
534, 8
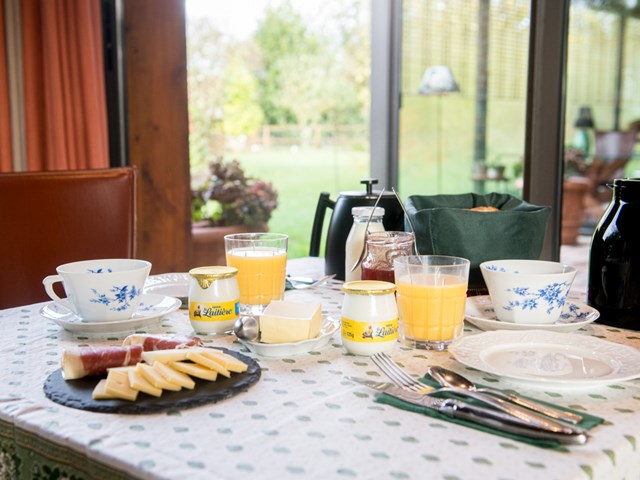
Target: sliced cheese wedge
117, 385
210, 363
174, 376
139, 382
166, 356
100, 393
229, 362
195, 370
155, 378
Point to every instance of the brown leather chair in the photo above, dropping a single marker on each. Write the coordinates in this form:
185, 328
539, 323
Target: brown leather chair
51, 218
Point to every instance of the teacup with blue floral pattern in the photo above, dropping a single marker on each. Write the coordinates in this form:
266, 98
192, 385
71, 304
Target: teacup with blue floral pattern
100, 290
528, 291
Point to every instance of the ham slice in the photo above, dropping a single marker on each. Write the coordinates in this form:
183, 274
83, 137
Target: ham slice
85, 361
162, 342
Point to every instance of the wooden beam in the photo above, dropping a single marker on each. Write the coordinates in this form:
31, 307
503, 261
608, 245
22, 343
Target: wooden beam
156, 78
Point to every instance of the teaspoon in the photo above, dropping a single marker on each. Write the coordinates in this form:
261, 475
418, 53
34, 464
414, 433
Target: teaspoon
247, 328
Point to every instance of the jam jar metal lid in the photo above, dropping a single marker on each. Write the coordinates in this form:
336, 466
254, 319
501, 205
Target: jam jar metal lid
369, 287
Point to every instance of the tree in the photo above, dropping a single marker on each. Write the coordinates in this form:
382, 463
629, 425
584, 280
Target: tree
281, 34
242, 113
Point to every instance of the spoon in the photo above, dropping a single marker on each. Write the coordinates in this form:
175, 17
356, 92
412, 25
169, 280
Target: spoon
449, 378
415, 239
247, 328
363, 253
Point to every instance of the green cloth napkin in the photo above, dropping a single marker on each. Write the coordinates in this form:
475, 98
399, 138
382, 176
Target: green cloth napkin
444, 225
588, 421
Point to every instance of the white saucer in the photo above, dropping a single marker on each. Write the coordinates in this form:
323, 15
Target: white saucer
170, 284
152, 308
329, 325
480, 312
548, 359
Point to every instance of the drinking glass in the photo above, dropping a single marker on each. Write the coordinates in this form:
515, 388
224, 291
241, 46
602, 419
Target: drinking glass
431, 295
261, 260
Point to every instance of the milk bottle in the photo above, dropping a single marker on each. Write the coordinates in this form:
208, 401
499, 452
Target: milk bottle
356, 238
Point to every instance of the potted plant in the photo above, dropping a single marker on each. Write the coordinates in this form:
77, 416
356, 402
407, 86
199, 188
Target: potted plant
227, 202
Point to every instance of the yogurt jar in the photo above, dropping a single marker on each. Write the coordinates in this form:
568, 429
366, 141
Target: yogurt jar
369, 317
214, 299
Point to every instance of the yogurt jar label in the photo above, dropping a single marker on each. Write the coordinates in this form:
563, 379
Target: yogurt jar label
370, 332
214, 311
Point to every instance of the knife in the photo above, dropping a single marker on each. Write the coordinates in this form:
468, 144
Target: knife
474, 413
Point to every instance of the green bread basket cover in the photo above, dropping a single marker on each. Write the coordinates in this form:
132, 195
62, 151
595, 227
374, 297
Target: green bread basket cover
444, 225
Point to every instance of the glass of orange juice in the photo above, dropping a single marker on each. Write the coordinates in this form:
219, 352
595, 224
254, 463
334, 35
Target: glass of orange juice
431, 295
261, 260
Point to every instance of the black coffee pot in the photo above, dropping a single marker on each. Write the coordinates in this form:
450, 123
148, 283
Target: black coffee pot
342, 220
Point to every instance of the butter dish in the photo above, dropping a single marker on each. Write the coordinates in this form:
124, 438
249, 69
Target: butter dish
277, 350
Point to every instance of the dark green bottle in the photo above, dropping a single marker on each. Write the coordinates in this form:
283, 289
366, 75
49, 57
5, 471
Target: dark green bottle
614, 262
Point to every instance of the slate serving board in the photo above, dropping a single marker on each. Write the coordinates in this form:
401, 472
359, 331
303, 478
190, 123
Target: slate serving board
77, 393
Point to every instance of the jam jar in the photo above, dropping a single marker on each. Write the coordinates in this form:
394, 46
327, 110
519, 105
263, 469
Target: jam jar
382, 248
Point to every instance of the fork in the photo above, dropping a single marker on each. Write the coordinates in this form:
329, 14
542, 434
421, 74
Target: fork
398, 376
402, 379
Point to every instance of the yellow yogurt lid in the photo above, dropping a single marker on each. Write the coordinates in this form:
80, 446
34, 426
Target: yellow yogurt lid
207, 275
369, 287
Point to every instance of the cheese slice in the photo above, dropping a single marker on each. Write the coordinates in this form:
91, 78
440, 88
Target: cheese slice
287, 322
195, 370
139, 382
227, 361
117, 385
155, 378
209, 363
166, 356
100, 393
174, 376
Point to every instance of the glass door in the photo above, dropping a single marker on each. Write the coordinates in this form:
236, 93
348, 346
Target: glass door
463, 87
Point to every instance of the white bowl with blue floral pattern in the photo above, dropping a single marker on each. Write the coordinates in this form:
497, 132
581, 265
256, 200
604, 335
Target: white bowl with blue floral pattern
100, 290
528, 291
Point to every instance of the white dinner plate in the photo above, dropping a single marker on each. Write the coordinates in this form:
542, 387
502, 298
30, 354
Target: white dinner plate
479, 311
170, 284
543, 358
329, 325
152, 308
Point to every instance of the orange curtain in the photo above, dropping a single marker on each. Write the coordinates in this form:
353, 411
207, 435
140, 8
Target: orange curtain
6, 164
65, 107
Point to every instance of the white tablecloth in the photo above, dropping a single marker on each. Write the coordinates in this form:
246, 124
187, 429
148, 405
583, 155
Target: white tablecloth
303, 419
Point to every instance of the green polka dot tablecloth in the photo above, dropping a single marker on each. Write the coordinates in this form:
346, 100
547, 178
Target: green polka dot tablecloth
302, 420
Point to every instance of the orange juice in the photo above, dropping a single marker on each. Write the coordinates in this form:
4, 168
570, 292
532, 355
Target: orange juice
261, 273
430, 308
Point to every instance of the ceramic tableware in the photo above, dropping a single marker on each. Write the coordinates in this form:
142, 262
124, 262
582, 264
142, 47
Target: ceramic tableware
102, 290
575, 315
528, 291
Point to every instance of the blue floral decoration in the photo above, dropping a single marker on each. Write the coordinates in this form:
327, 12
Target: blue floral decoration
99, 270
120, 297
495, 268
573, 311
552, 296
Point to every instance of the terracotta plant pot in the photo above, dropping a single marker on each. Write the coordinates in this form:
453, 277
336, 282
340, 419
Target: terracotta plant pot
573, 206
208, 242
